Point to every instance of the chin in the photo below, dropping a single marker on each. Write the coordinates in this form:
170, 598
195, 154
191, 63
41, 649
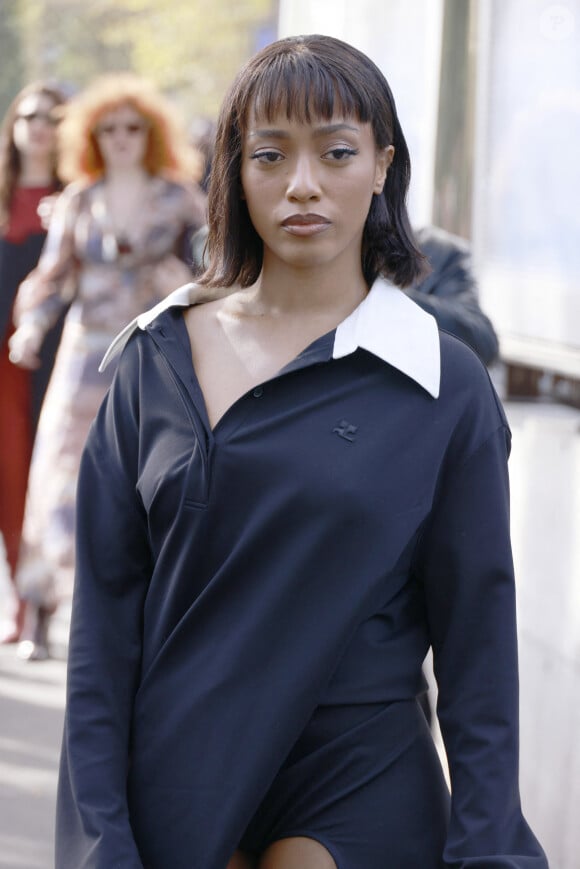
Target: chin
309, 262
308, 253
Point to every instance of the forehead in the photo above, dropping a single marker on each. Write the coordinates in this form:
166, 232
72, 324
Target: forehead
301, 107
279, 124
258, 116
124, 113
35, 102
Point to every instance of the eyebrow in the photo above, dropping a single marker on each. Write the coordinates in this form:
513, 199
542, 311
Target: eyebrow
324, 130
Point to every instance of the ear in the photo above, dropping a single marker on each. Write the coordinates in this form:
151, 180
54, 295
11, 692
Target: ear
384, 160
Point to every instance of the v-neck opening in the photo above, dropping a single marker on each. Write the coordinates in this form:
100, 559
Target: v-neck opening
319, 350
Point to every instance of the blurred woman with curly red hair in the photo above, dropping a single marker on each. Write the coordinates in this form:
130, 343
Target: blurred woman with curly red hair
116, 244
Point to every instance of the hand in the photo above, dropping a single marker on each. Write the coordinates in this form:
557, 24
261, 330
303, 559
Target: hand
45, 209
28, 298
24, 346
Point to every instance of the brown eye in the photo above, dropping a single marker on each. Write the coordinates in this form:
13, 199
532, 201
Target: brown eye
342, 153
267, 156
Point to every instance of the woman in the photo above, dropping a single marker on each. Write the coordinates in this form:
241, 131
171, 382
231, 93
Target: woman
293, 488
27, 176
114, 239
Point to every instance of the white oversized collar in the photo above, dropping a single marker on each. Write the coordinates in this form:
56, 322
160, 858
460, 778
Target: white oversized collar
387, 323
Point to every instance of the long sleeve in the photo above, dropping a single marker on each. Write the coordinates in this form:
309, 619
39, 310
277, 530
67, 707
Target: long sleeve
450, 294
113, 569
465, 565
47, 290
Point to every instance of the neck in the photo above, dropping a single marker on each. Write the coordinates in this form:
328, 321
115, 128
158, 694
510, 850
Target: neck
320, 289
126, 177
35, 172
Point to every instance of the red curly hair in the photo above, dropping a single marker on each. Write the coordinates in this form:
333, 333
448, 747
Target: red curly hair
168, 150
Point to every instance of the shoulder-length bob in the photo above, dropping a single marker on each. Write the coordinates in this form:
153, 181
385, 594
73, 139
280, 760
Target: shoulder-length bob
10, 158
308, 77
168, 150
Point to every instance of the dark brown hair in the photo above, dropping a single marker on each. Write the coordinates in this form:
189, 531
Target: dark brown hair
308, 77
10, 159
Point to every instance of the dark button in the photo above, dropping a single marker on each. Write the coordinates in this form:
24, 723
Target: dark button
258, 392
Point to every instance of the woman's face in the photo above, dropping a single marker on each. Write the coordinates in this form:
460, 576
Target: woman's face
308, 186
35, 127
122, 137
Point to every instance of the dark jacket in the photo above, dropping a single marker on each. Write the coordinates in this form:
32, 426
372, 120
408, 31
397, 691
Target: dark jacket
450, 293
302, 552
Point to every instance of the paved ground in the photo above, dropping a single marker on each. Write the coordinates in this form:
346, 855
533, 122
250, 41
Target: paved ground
545, 473
31, 713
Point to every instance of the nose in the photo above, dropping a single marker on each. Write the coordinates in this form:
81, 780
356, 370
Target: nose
303, 182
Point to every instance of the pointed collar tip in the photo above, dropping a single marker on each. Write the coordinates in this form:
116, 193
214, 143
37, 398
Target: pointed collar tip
391, 326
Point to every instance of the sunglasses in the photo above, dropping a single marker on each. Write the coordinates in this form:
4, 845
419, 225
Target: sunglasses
132, 129
39, 116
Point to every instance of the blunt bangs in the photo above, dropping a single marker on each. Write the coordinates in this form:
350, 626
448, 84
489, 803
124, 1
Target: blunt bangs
303, 88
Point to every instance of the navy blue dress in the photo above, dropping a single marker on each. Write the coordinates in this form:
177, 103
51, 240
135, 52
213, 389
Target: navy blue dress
253, 605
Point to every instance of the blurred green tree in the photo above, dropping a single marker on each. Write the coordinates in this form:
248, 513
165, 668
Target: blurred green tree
190, 48
13, 74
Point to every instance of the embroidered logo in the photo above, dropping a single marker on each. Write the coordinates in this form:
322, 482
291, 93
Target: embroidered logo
345, 430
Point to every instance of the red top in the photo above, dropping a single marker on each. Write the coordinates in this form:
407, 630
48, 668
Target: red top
24, 219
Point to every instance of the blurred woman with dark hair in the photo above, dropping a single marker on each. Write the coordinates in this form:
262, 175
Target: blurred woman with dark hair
116, 236
27, 176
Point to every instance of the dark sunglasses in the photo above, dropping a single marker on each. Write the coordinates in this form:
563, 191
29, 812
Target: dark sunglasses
132, 129
39, 116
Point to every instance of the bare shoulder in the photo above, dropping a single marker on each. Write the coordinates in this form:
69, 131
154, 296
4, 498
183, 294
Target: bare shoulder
200, 315
201, 318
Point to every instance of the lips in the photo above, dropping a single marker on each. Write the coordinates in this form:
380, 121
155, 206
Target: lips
305, 224
304, 220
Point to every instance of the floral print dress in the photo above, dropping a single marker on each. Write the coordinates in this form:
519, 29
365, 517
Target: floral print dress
105, 278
